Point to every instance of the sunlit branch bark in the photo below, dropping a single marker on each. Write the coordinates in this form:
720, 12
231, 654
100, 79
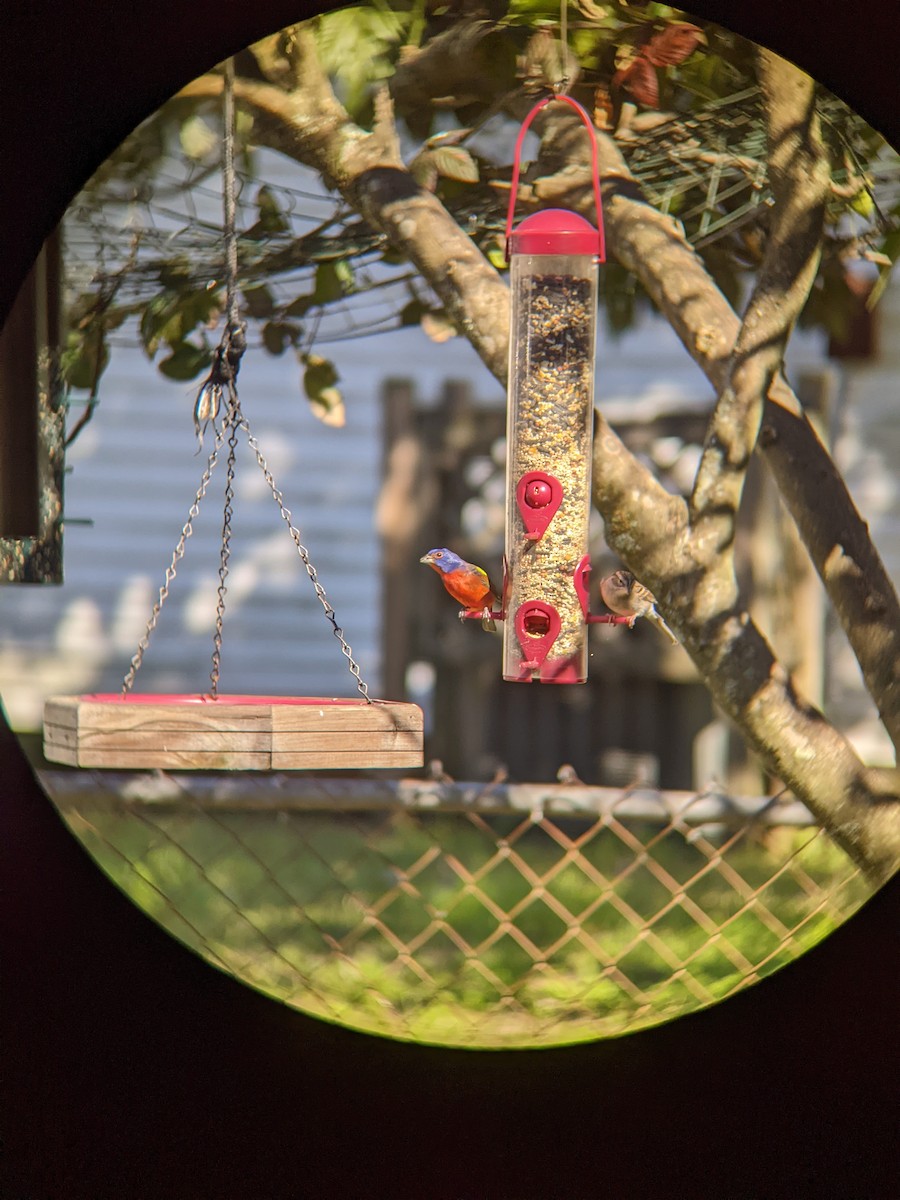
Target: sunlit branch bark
799, 178
646, 525
652, 245
311, 127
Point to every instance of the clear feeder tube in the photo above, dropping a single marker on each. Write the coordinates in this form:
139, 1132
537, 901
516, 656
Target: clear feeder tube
549, 436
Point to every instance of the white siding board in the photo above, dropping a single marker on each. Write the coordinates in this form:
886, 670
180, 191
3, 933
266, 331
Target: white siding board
134, 474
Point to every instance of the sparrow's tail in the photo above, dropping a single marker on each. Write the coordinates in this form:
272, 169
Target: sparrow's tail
660, 624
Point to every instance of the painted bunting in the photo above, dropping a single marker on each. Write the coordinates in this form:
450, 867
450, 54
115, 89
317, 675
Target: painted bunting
465, 582
625, 596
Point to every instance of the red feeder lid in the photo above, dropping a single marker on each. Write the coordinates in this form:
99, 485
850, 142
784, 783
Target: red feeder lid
555, 231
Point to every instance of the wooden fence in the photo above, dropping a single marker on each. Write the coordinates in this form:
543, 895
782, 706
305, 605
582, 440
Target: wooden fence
643, 716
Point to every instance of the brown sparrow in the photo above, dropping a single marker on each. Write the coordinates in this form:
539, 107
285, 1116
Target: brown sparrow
625, 596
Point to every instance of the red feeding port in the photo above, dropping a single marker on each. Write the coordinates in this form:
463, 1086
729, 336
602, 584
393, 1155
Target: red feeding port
537, 627
538, 496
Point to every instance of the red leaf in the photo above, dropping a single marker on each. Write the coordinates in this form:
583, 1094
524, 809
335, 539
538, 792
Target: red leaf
639, 80
672, 45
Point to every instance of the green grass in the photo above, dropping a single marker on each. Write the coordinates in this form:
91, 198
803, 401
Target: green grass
374, 920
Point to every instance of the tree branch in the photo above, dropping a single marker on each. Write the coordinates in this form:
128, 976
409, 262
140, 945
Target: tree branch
645, 524
649, 529
311, 127
684, 565
653, 247
800, 179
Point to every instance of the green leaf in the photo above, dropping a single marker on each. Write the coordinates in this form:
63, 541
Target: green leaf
328, 286
496, 255
344, 272
175, 273
85, 358
328, 406
83, 310
412, 313
333, 280
185, 362
325, 399
863, 203
173, 314
260, 301
455, 162
270, 215
278, 335
271, 220
320, 373
890, 247
93, 308
299, 307
197, 139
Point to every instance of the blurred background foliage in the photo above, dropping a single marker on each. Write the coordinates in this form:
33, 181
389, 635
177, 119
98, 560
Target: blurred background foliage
680, 100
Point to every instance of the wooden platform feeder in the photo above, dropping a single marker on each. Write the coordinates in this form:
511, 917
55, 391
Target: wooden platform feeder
212, 731
231, 733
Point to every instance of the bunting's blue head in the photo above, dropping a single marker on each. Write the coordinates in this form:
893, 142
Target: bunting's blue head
443, 560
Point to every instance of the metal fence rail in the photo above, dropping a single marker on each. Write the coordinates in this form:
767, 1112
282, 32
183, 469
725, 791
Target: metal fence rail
468, 914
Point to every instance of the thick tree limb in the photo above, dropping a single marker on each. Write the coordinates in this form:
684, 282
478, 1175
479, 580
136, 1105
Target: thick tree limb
653, 246
800, 179
649, 529
647, 526
654, 249
311, 127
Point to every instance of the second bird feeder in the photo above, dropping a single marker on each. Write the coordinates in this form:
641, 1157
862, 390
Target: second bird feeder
553, 258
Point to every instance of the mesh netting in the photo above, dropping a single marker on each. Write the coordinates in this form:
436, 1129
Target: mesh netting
469, 915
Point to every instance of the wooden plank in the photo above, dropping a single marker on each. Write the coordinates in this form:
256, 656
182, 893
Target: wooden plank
212, 739
378, 716
62, 710
198, 760
166, 739
159, 759
330, 740
156, 718
86, 714
242, 737
342, 760
66, 755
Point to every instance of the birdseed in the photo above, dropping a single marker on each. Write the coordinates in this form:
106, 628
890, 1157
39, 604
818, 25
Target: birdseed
550, 426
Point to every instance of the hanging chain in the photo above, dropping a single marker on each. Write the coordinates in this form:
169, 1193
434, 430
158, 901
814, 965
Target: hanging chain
225, 552
223, 372
361, 685
229, 207
221, 382
177, 555
223, 375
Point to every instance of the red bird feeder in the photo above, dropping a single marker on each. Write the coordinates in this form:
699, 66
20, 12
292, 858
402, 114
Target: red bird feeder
553, 258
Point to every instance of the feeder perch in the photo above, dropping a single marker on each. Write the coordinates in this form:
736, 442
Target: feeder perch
553, 258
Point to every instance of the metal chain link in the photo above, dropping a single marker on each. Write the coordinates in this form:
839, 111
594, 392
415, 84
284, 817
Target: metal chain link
221, 381
361, 685
177, 555
234, 421
225, 552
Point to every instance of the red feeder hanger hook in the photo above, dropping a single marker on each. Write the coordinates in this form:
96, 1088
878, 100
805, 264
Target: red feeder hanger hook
556, 226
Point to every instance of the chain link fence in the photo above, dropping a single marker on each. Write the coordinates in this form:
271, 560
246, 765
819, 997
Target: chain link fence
471, 915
